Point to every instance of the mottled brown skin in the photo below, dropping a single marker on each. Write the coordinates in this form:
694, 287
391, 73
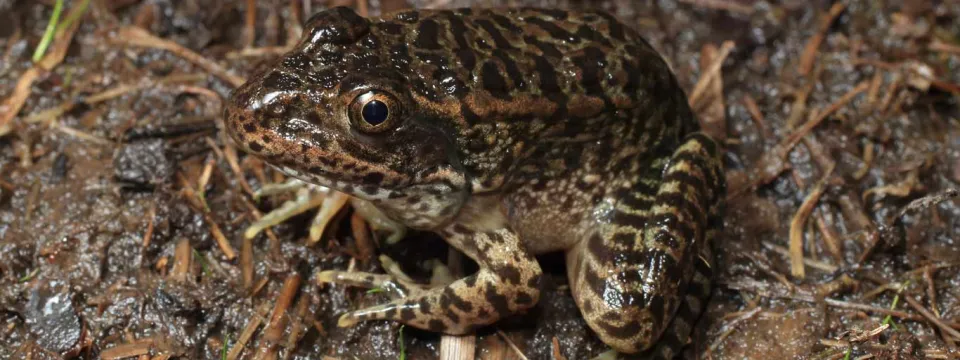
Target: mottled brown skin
511, 133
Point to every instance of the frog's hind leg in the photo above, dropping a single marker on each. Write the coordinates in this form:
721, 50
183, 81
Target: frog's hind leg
631, 276
507, 282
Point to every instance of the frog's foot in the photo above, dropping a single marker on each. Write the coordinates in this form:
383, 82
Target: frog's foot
508, 282
378, 221
655, 247
307, 197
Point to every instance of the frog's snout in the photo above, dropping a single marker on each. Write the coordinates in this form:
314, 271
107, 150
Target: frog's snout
240, 121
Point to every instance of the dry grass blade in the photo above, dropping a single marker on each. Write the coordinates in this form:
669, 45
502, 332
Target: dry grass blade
221, 239
134, 36
797, 224
12, 105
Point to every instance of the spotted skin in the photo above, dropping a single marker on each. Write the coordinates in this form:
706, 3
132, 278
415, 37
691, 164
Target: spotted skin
511, 133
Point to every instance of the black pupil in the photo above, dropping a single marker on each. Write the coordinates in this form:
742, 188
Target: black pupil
375, 112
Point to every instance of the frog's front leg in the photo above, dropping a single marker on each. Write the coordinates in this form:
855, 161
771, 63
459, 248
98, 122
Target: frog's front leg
507, 282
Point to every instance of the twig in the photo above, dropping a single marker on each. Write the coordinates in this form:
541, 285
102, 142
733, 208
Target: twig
937, 45
710, 73
148, 234
230, 154
831, 302
556, 349
830, 238
221, 240
728, 328
273, 331
250, 24
182, 260
361, 235
138, 347
246, 263
728, 5
751, 104
247, 333
932, 318
510, 343
810, 50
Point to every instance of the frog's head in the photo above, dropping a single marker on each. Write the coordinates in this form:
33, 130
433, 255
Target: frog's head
337, 112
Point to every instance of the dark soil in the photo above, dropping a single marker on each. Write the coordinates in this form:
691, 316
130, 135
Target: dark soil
122, 217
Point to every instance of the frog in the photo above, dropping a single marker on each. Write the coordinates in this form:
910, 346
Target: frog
511, 133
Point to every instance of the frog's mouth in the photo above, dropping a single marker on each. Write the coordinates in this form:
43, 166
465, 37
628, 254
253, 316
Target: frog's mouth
327, 179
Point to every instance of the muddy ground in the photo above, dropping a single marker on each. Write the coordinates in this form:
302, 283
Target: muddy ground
122, 209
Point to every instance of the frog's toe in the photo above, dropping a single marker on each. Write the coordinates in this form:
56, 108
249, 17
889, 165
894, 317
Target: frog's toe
348, 320
396, 288
440, 274
607, 355
378, 312
393, 268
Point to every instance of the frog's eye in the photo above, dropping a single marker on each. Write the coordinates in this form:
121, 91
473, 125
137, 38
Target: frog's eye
374, 111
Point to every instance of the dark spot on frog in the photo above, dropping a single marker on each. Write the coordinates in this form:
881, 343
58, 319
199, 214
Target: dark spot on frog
467, 58
510, 274
499, 41
513, 72
493, 81
588, 33
506, 23
555, 31
390, 312
483, 313
407, 314
500, 303
371, 189
428, 35
523, 299
436, 325
425, 306
390, 28
431, 58
373, 178
451, 315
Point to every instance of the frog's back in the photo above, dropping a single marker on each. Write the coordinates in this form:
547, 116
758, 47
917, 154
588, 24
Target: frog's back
516, 83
